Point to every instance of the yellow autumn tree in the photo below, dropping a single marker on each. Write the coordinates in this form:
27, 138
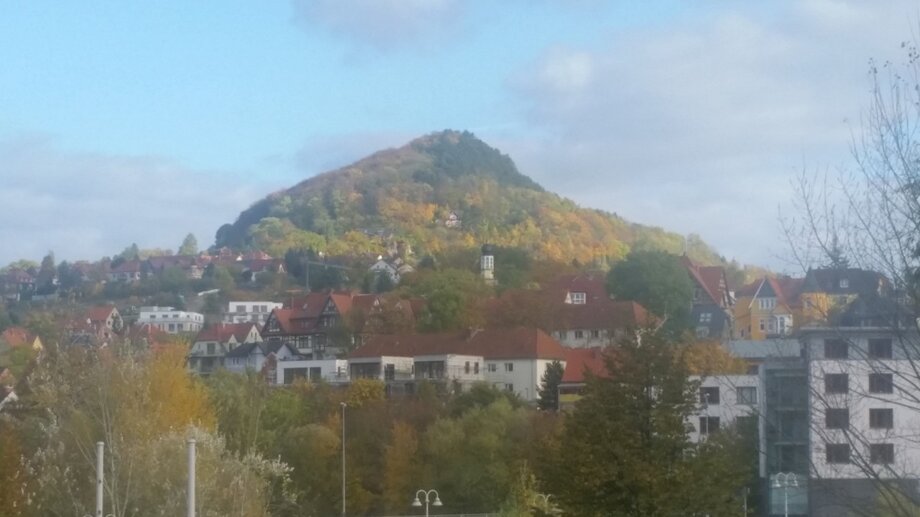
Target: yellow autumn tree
710, 358
400, 466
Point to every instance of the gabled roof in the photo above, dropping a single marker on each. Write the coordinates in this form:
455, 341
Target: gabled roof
604, 314
519, 343
594, 285
100, 313
265, 347
222, 332
785, 289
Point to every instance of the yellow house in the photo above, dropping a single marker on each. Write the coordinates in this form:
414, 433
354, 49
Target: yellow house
827, 291
767, 308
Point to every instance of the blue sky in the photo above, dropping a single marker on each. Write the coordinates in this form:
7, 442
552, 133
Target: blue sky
138, 122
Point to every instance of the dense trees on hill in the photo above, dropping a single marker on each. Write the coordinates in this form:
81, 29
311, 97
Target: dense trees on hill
412, 191
659, 282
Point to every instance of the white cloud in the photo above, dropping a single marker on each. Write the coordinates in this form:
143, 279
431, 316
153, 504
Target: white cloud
384, 24
698, 127
84, 205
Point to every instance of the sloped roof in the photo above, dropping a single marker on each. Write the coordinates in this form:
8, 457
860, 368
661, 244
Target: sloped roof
128, 266
603, 314
594, 285
223, 331
17, 336
519, 343
858, 281
786, 290
100, 313
578, 361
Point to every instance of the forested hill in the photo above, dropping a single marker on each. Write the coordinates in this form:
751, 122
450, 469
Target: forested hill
413, 194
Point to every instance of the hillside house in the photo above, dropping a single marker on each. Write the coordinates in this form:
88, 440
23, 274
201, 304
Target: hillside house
214, 342
250, 311
509, 359
171, 320
711, 314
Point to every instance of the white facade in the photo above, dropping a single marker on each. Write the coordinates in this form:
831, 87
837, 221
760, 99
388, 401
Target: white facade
450, 367
723, 400
170, 320
585, 338
246, 312
520, 376
864, 406
327, 370
385, 368
255, 359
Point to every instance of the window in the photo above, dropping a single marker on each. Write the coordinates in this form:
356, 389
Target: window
880, 348
881, 453
763, 324
837, 418
579, 298
844, 283
240, 308
466, 368
389, 372
705, 317
153, 316
836, 383
509, 367
881, 383
835, 349
709, 424
509, 387
709, 395
492, 367
767, 303
563, 334
881, 418
210, 348
476, 368
595, 334
172, 327
579, 334
488, 262
747, 395
838, 453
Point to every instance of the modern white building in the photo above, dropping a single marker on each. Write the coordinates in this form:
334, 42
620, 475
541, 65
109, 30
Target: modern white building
864, 388
725, 400
170, 320
514, 360
249, 312
333, 371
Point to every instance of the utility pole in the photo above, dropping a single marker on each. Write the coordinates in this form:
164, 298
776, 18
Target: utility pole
100, 472
343, 459
191, 477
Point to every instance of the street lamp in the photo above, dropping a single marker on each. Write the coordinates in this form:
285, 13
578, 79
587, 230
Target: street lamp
343, 457
785, 480
418, 503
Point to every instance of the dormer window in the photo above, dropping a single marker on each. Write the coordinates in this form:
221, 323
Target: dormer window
844, 283
579, 298
705, 317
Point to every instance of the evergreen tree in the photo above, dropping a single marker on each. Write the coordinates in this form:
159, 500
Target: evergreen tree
659, 282
549, 387
189, 246
625, 450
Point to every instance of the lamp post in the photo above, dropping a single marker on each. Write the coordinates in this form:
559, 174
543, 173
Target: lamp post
343, 457
785, 480
418, 503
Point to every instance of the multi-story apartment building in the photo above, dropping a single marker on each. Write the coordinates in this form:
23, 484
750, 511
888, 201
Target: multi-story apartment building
249, 312
170, 320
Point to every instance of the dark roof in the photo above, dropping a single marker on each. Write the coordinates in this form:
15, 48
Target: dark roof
856, 281
719, 321
222, 332
266, 347
519, 343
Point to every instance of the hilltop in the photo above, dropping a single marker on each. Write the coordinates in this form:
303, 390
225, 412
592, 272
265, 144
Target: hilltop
443, 191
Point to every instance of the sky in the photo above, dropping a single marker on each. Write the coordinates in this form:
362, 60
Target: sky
127, 121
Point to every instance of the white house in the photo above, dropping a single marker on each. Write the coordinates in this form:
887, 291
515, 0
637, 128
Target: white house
245, 312
510, 359
213, 343
260, 357
332, 371
170, 320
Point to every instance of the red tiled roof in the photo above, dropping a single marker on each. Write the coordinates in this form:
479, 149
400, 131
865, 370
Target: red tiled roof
100, 313
606, 314
17, 336
223, 331
578, 361
594, 285
519, 343
707, 278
